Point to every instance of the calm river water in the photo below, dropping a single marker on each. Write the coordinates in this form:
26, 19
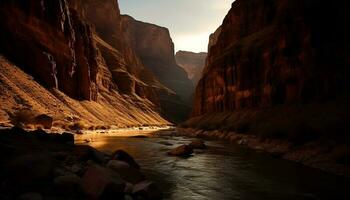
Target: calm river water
224, 171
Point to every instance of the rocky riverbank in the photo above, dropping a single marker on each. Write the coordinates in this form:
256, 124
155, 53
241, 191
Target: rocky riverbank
38, 165
325, 156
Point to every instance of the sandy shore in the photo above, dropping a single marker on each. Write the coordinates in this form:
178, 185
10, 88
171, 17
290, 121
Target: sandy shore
89, 136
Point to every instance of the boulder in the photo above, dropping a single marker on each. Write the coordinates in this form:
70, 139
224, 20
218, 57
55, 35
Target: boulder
67, 137
102, 183
44, 120
68, 184
124, 156
198, 144
85, 153
147, 190
30, 171
17, 131
183, 150
41, 134
128, 173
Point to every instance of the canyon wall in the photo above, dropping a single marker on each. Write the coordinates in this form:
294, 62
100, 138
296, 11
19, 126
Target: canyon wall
277, 80
276, 52
51, 43
192, 63
127, 70
155, 48
76, 50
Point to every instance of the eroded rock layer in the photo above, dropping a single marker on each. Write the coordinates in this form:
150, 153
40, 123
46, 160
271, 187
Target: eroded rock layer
51, 42
76, 50
155, 48
277, 52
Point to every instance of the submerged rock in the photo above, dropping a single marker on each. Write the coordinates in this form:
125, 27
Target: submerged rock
183, 150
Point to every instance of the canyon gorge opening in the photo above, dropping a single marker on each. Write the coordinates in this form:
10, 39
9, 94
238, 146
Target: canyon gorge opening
104, 99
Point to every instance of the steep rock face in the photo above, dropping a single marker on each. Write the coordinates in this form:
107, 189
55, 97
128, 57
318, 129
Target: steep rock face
122, 56
213, 38
192, 63
127, 70
55, 42
18, 91
156, 50
52, 43
276, 52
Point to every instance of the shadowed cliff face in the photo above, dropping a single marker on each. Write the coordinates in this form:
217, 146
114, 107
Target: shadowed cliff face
52, 43
192, 63
127, 70
76, 47
123, 52
86, 49
276, 52
156, 50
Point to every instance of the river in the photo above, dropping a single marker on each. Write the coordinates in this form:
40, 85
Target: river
223, 171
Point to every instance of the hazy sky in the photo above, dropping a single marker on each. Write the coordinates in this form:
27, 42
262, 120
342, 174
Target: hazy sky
190, 21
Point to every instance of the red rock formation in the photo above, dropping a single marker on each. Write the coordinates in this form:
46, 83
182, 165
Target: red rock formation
192, 63
277, 52
155, 48
78, 48
123, 57
127, 70
52, 43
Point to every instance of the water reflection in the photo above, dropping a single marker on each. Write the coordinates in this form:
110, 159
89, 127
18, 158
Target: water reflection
224, 171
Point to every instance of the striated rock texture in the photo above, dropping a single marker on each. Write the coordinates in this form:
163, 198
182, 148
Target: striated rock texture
155, 48
51, 42
123, 58
76, 49
192, 63
277, 52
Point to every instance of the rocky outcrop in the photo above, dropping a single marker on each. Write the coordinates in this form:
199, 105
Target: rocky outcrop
77, 50
276, 52
192, 63
51, 42
18, 91
129, 70
155, 48
39, 165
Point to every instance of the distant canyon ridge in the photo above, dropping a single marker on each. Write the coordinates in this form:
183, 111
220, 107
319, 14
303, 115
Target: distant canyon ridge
192, 63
